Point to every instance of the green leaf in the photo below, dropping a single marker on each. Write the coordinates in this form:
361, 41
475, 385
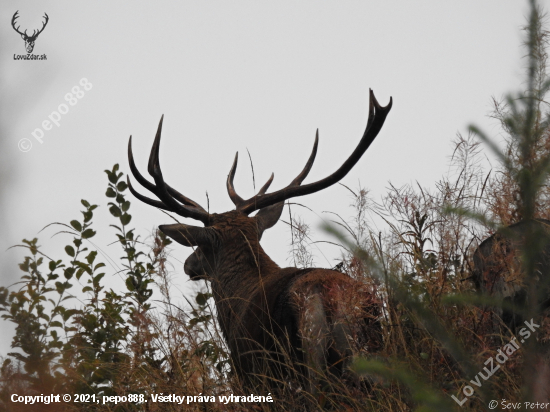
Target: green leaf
68, 313
76, 224
130, 284
126, 206
122, 186
91, 257
120, 198
88, 233
125, 219
112, 176
87, 216
110, 192
56, 324
201, 298
98, 278
68, 273
60, 287
87, 289
84, 267
115, 211
70, 250
85, 203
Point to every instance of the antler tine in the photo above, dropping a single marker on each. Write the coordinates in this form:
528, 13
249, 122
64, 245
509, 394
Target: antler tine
303, 174
161, 189
235, 198
266, 186
145, 199
298, 179
169, 197
377, 116
153, 166
152, 188
139, 177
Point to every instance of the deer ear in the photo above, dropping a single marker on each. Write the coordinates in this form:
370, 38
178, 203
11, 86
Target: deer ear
186, 235
268, 216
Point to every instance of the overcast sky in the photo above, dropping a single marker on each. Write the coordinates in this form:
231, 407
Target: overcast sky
231, 76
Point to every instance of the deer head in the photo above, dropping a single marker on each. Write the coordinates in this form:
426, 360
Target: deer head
29, 40
224, 231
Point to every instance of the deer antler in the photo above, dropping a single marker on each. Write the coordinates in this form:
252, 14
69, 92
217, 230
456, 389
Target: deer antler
377, 116
170, 199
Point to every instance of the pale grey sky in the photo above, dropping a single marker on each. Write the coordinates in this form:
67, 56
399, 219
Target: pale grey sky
235, 75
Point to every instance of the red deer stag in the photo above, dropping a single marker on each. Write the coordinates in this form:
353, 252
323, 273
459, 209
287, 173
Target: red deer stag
498, 271
274, 320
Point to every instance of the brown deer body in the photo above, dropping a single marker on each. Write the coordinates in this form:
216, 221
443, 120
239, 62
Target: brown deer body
276, 321
498, 271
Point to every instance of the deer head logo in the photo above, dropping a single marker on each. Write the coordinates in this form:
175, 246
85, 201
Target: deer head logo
29, 40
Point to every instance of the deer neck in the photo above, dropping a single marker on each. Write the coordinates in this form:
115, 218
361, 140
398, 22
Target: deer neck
239, 288
243, 271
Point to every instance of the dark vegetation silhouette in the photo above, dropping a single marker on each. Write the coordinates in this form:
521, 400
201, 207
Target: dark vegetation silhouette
441, 319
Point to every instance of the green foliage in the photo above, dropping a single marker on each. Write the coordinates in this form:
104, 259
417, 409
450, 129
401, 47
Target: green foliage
107, 343
82, 350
